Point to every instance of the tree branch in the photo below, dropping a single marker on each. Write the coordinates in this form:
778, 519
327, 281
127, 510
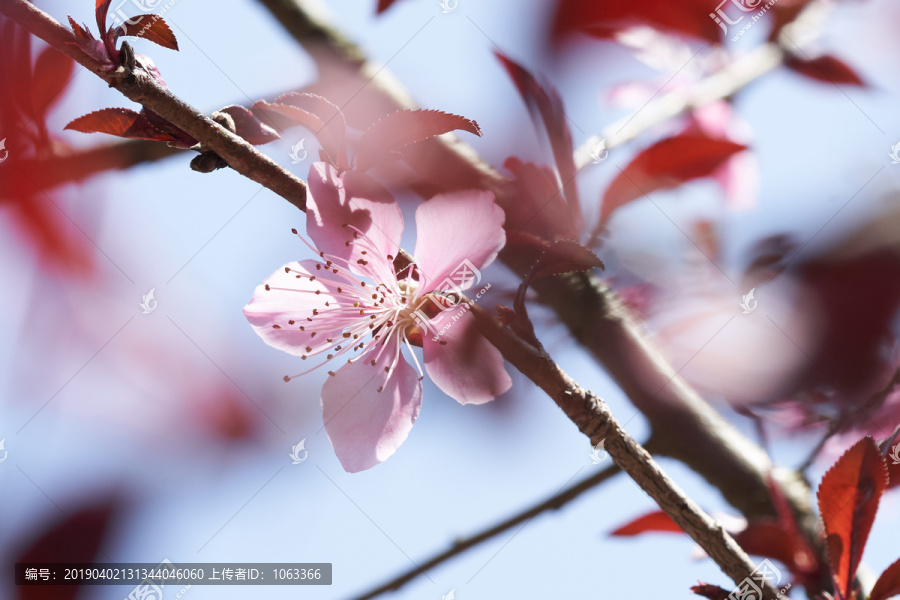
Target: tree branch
140, 87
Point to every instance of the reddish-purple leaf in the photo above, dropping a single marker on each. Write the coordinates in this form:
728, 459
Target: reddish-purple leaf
848, 500
152, 28
127, 123
539, 208
713, 592
85, 40
322, 118
765, 537
545, 104
655, 521
826, 68
402, 128
108, 37
604, 18
249, 127
52, 71
560, 257
888, 585
667, 164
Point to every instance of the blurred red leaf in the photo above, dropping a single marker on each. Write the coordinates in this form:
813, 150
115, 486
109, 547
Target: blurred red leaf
78, 539
713, 592
848, 500
544, 103
155, 30
383, 5
540, 208
604, 18
322, 118
654, 521
888, 585
249, 127
402, 128
825, 68
766, 537
667, 164
52, 71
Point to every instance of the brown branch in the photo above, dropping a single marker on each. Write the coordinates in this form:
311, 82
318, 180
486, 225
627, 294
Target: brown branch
140, 87
594, 419
555, 502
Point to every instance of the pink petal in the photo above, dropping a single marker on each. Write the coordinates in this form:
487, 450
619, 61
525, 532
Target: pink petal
279, 305
461, 361
454, 231
366, 426
358, 200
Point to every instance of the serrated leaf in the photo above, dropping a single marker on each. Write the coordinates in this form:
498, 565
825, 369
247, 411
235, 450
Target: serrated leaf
546, 107
848, 500
154, 29
828, 69
656, 521
888, 584
249, 127
126, 123
667, 164
402, 128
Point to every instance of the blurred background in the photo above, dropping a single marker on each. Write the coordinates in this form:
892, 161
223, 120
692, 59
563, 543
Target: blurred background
167, 435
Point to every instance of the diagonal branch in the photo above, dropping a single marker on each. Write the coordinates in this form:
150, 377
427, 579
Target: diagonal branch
140, 87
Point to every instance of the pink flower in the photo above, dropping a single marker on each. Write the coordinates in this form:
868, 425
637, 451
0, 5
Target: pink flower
351, 306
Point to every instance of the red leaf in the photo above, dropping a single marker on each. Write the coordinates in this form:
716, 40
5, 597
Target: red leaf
848, 500
52, 71
713, 592
155, 30
540, 208
402, 128
101, 8
85, 40
604, 18
316, 114
127, 123
78, 539
544, 102
654, 521
888, 584
667, 164
765, 537
249, 127
560, 257
825, 68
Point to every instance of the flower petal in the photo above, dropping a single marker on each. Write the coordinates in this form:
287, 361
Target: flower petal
461, 361
291, 299
457, 232
366, 426
358, 200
